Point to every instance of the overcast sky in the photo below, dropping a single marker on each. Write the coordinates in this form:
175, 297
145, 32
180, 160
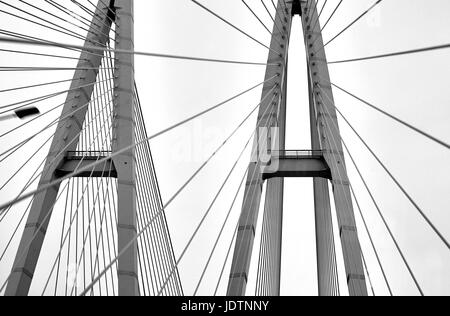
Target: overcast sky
414, 88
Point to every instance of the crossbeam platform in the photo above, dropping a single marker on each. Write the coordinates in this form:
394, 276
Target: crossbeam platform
297, 164
80, 160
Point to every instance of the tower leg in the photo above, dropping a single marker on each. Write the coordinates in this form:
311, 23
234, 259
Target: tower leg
124, 127
326, 259
253, 191
246, 233
65, 140
331, 144
273, 210
274, 207
325, 246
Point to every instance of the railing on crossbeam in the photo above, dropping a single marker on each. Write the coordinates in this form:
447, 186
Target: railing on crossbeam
87, 155
296, 154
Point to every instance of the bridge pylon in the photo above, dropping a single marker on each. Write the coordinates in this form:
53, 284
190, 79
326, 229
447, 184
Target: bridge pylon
325, 163
100, 117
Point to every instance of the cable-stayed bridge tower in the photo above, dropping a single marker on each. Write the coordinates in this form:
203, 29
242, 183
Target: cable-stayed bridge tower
324, 162
100, 117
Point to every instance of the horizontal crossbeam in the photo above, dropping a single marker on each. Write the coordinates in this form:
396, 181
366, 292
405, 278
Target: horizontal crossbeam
80, 160
297, 164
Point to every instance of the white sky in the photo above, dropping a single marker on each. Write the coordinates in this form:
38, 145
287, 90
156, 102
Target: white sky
413, 87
